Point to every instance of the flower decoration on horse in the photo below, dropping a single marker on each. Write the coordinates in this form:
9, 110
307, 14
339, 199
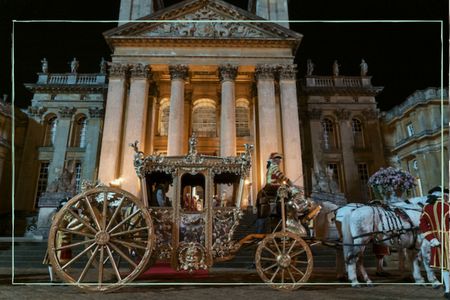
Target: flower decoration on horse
390, 183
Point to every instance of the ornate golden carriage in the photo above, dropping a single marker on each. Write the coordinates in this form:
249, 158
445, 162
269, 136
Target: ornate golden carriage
105, 237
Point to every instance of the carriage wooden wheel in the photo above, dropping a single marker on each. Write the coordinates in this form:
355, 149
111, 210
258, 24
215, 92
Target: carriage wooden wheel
106, 225
284, 260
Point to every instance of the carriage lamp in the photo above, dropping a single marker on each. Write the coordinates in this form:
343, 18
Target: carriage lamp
116, 182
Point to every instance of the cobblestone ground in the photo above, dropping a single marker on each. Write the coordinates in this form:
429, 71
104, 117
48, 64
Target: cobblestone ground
30, 286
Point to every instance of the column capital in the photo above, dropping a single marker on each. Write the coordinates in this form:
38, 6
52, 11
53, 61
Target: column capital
118, 70
178, 71
287, 72
66, 112
36, 111
140, 71
227, 72
315, 114
342, 114
96, 112
265, 71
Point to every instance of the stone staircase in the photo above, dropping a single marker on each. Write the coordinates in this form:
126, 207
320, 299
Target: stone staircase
28, 254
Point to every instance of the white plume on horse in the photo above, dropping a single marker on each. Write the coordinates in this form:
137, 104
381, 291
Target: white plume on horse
359, 224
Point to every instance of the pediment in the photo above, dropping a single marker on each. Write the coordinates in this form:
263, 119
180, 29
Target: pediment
203, 19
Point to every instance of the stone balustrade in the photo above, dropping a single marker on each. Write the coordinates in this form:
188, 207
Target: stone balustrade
338, 81
71, 79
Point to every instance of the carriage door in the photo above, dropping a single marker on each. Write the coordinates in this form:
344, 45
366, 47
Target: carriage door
193, 238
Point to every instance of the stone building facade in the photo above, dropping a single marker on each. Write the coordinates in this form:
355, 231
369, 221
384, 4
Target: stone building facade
416, 138
23, 132
341, 132
230, 82
68, 109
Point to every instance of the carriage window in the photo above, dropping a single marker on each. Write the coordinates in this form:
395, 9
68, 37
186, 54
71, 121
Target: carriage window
193, 192
158, 189
225, 189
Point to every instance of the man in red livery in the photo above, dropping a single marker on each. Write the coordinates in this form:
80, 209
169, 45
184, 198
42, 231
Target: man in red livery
435, 227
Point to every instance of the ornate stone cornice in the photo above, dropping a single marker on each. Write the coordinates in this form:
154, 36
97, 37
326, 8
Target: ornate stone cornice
227, 72
315, 114
342, 114
265, 71
66, 112
287, 72
178, 71
118, 70
36, 112
140, 71
96, 112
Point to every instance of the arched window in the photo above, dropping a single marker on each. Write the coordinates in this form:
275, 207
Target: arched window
50, 124
204, 118
79, 127
329, 134
242, 117
164, 109
358, 133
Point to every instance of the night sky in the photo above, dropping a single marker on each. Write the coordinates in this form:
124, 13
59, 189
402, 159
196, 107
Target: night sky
402, 57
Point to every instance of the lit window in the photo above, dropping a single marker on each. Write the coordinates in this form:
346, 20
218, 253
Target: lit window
242, 117
79, 128
363, 173
410, 129
358, 134
78, 176
164, 111
50, 130
329, 134
204, 118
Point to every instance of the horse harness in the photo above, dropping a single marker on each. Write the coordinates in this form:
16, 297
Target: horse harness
394, 227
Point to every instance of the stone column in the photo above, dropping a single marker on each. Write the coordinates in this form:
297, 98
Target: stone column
291, 125
61, 139
93, 134
348, 157
178, 73
228, 111
112, 132
135, 125
266, 115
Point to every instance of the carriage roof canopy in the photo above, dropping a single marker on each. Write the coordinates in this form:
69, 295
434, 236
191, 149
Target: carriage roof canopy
228, 167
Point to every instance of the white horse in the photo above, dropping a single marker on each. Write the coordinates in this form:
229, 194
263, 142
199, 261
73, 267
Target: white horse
332, 213
386, 227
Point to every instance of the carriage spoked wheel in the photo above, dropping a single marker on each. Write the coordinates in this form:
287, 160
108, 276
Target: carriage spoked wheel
101, 239
284, 261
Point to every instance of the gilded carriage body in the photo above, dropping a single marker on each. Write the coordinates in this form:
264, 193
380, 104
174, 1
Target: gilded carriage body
189, 210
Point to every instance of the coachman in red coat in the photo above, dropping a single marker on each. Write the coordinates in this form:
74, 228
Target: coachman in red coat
435, 227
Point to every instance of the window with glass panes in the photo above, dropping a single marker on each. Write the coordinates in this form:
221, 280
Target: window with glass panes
42, 181
363, 173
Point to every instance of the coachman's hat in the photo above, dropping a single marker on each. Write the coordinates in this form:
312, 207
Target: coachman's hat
274, 155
